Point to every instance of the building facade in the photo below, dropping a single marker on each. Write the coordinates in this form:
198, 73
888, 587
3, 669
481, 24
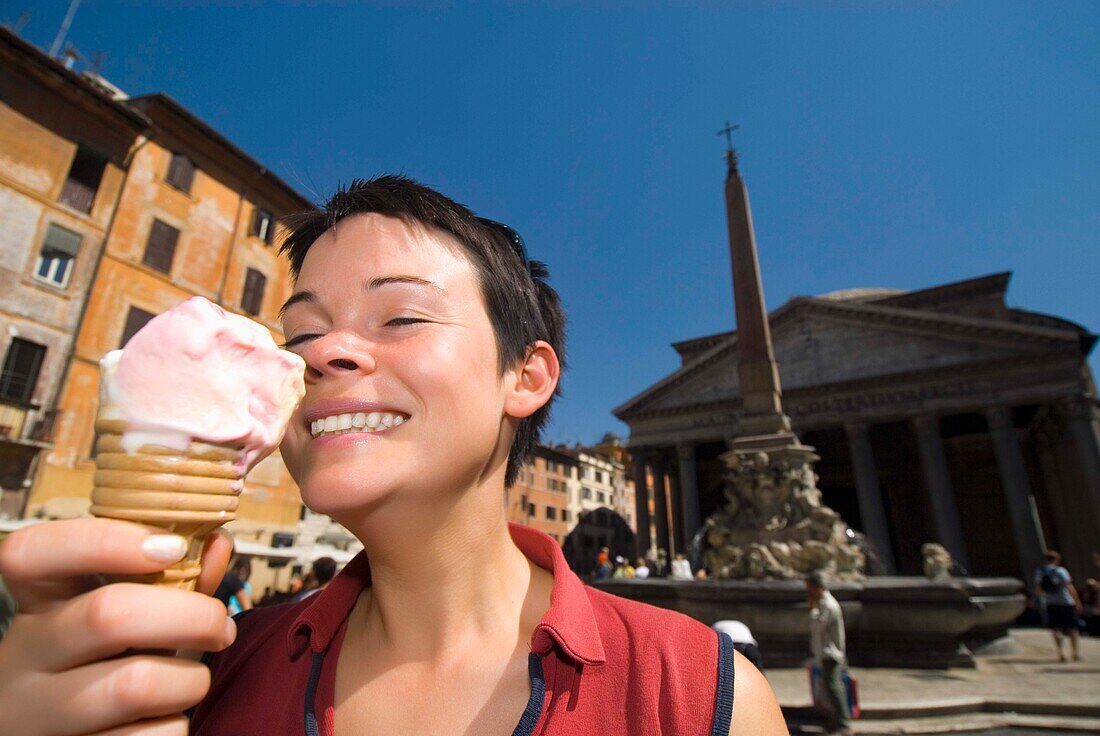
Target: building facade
64, 149
125, 207
939, 415
559, 485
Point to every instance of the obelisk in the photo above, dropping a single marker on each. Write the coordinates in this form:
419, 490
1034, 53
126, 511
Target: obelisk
773, 524
762, 413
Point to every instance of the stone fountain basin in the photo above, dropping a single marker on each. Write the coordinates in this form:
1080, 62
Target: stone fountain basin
889, 621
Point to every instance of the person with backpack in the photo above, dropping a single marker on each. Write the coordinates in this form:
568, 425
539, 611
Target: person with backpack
1060, 603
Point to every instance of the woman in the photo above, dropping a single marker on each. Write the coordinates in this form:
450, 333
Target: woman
452, 621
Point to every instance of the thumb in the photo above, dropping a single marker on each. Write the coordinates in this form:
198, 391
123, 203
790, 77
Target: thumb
215, 559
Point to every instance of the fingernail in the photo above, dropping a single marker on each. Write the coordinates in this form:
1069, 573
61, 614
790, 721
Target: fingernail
230, 631
164, 547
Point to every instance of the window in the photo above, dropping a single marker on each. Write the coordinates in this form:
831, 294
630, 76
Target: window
20, 374
253, 297
565, 515
530, 509
263, 225
135, 320
551, 513
181, 173
55, 260
85, 174
601, 497
161, 248
586, 493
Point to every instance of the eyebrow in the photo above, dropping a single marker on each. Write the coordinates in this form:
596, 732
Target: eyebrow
308, 297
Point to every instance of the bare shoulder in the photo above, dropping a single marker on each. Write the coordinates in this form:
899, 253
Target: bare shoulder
755, 709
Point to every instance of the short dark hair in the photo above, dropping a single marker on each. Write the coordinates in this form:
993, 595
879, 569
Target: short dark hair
1052, 556
523, 308
816, 579
324, 569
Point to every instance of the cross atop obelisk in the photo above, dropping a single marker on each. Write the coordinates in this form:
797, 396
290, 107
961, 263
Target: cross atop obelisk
731, 154
762, 412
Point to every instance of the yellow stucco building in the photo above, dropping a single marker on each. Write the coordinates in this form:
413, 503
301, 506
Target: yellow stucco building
177, 211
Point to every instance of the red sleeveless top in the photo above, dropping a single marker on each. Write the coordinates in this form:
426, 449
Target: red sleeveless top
600, 665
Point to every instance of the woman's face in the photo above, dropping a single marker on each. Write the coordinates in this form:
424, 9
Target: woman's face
404, 396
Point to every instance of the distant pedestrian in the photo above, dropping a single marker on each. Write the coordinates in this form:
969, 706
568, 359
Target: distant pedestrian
324, 570
244, 572
743, 640
1061, 604
681, 568
827, 644
232, 587
623, 569
603, 564
641, 569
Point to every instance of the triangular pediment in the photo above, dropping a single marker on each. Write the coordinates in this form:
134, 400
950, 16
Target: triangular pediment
820, 342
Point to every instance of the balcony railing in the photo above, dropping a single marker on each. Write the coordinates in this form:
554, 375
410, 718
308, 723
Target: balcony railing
12, 419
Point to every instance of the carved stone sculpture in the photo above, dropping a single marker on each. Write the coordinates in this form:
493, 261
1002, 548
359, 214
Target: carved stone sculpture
773, 525
937, 561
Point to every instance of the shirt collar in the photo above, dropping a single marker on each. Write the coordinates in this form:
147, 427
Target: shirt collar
569, 622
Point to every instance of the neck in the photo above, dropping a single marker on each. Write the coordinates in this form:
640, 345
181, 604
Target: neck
445, 577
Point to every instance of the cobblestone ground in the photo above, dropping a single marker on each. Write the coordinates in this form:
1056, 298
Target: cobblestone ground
1024, 690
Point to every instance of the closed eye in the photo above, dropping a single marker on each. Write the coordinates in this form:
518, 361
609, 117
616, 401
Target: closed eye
402, 321
298, 340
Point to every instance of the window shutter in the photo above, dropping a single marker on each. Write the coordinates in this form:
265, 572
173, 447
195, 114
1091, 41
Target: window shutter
253, 297
181, 173
254, 228
20, 373
135, 320
161, 248
60, 239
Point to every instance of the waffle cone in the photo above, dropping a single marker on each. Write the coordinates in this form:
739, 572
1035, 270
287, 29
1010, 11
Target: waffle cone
190, 493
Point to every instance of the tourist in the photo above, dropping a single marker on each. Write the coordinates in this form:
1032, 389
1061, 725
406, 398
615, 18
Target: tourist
234, 591
451, 620
1060, 603
743, 640
641, 569
827, 644
623, 569
324, 569
603, 565
681, 568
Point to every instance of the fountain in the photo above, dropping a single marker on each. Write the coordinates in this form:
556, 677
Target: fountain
773, 529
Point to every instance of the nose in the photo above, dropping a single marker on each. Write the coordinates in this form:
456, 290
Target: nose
337, 354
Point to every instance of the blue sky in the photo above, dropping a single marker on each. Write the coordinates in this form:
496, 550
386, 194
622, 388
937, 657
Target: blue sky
883, 143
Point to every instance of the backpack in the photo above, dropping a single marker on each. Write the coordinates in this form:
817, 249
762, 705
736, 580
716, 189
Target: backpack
1048, 583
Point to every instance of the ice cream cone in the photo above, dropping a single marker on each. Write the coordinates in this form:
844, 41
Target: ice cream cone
190, 492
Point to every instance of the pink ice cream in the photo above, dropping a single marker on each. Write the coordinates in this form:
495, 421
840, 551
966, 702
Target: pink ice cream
197, 372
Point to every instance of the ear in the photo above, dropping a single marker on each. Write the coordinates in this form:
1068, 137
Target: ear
536, 377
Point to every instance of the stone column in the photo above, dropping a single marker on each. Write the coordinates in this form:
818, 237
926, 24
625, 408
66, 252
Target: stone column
641, 500
660, 502
871, 508
675, 498
945, 511
1082, 427
1026, 529
689, 491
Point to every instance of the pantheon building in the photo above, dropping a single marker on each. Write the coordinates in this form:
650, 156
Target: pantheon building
939, 415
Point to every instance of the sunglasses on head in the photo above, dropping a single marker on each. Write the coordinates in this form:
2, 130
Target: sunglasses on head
512, 237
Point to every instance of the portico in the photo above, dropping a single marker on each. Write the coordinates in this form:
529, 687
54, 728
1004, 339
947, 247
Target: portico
939, 415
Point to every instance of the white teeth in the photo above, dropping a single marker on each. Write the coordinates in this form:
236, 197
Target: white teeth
357, 422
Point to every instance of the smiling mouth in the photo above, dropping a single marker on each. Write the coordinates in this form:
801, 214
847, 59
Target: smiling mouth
375, 421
